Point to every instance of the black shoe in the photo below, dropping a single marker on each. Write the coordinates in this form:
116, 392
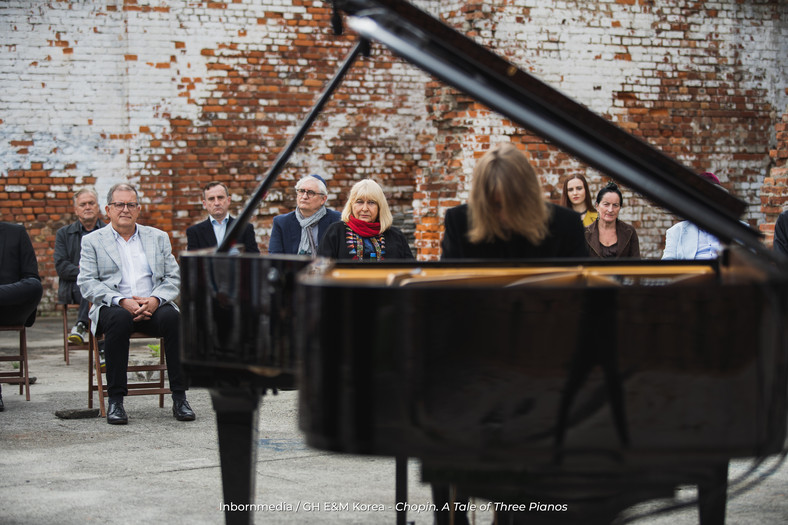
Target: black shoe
182, 411
116, 415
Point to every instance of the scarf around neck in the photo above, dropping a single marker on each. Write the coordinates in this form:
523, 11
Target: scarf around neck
365, 229
308, 246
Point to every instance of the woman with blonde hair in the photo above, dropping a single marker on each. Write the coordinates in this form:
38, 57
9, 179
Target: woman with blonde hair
577, 196
507, 217
366, 232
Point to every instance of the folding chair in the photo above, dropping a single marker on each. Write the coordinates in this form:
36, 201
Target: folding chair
19, 376
136, 388
68, 346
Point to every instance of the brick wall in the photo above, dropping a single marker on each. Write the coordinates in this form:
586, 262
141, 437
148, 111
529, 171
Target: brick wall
171, 94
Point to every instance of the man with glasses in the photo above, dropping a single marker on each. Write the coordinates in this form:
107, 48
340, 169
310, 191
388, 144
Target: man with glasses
68, 241
208, 233
128, 272
300, 231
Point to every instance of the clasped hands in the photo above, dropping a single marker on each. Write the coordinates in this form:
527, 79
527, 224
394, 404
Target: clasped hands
141, 308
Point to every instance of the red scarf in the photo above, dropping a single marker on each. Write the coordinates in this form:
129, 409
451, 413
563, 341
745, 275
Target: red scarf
365, 229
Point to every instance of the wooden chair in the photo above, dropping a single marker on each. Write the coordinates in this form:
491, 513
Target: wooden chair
19, 376
138, 388
67, 345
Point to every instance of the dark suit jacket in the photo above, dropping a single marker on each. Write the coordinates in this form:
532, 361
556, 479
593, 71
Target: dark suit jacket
565, 239
286, 233
19, 271
781, 233
68, 241
201, 236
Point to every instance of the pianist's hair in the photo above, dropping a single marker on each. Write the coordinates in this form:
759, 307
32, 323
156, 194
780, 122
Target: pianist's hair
565, 194
368, 189
121, 186
505, 185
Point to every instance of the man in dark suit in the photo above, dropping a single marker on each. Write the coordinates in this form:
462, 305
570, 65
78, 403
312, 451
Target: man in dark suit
20, 285
216, 200
295, 232
68, 242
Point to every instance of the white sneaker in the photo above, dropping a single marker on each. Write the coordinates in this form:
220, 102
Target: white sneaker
79, 334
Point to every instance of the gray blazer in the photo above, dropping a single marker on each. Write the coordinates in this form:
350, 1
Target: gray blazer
100, 275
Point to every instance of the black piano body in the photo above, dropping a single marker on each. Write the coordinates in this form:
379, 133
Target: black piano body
586, 383
608, 383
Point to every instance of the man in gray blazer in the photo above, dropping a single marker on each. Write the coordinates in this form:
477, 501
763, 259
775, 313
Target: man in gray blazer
128, 272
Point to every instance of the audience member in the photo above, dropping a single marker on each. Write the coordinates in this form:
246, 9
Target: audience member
609, 236
781, 233
295, 232
365, 233
128, 272
20, 285
686, 241
68, 241
506, 216
211, 231
577, 196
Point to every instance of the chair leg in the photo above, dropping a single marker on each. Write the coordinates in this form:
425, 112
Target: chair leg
162, 362
65, 334
23, 348
90, 373
99, 381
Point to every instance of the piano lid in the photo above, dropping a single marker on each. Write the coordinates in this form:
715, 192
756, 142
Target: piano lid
460, 62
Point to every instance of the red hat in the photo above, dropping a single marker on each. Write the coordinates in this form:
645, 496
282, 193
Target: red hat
709, 176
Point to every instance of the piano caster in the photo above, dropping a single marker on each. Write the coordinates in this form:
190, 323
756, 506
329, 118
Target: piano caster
236, 424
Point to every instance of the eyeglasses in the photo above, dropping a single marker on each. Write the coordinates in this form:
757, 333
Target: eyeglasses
120, 205
308, 193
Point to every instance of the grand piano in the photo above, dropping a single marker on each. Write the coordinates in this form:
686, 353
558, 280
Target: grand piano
593, 384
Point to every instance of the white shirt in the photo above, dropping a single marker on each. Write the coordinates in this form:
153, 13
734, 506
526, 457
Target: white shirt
136, 274
220, 228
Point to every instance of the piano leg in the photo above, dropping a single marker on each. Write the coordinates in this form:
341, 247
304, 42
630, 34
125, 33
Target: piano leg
713, 496
236, 424
401, 487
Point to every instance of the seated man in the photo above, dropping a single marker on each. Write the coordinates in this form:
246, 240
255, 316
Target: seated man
20, 285
128, 272
208, 233
684, 240
781, 234
68, 242
295, 232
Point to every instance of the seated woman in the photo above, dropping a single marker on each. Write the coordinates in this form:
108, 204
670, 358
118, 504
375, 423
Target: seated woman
365, 233
506, 216
577, 196
609, 236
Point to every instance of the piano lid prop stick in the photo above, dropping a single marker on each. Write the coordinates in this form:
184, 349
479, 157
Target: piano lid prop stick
238, 225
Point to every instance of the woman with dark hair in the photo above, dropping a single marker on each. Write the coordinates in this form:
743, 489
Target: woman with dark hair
506, 216
365, 232
610, 237
577, 196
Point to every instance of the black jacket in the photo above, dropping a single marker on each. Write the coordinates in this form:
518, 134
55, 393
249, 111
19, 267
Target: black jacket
68, 243
20, 284
565, 239
201, 236
334, 244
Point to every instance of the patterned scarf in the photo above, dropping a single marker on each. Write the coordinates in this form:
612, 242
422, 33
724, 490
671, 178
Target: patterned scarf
308, 246
359, 233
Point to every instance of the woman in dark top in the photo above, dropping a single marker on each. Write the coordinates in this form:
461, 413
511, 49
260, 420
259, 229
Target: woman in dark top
610, 237
506, 216
365, 233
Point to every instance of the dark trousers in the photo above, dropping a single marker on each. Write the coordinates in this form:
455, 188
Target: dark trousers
19, 300
117, 324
